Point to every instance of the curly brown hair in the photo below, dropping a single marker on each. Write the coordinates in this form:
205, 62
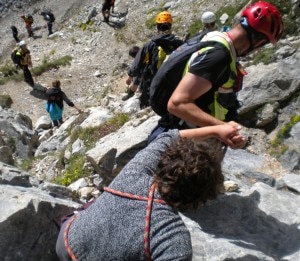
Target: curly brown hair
189, 172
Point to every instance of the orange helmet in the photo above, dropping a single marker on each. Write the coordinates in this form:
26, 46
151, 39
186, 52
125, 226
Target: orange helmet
266, 19
164, 18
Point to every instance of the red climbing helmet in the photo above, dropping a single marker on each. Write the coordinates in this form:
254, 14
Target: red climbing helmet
266, 19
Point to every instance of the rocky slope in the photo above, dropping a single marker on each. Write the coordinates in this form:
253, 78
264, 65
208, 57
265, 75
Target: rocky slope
256, 219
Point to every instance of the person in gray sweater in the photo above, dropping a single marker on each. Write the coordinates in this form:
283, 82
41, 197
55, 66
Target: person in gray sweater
136, 217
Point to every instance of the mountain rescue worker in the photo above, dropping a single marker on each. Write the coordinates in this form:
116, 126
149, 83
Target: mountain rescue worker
49, 18
55, 103
23, 60
107, 7
209, 21
152, 55
15, 33
178, 171
133, 87
28, 19
206, 94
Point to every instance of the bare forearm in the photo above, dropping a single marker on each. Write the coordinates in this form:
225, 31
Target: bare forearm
192, 114
227, 133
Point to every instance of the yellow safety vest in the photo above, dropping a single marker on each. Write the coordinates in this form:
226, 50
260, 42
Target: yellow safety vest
217, 110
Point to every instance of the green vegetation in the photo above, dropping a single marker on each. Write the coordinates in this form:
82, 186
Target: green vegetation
74, 171
48, 65
10, 72
5, 101
278, 147
75, 168
85, 26
265, 56
91, 135
27, 164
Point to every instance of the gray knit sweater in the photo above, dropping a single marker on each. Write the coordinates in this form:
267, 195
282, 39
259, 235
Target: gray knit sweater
112, 228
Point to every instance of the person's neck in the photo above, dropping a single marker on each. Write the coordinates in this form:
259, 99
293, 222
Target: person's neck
239, 40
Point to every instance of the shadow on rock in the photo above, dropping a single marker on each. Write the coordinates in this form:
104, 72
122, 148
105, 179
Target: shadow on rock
239, 220
39, 91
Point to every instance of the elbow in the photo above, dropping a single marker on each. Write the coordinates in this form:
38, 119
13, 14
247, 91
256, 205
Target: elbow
172, 107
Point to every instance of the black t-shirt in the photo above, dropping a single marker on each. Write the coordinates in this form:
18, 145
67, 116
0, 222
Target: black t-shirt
214, 66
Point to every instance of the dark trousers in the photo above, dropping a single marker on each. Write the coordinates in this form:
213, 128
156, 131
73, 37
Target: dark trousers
27, 75
49, 28
57, 123
29, 30
15, 36
145, 96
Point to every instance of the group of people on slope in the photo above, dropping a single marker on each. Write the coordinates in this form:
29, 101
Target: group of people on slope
136, 217
29, 20
136, 80
21, 54
22, 58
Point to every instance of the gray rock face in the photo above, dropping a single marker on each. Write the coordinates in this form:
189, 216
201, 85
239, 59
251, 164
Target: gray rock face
29, 223
247, 226
16, 136
258, 221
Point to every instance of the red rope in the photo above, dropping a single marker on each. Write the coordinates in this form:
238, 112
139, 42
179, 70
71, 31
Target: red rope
66, 232
147, 223
150, 201
131, 196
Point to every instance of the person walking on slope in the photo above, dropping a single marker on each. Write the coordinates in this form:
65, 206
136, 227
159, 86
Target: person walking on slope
133, 87
209, 22
15, 33
55, 105
22, 58
49, 18
178, 171
107, 7
28, 19
152, 54
206, 94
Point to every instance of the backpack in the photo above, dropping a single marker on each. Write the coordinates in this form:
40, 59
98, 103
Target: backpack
160, 47
54, 95
170, 73
51, 17
29, 18
14, 57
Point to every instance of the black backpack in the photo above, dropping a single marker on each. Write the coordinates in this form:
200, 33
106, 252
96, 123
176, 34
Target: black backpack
51, 17
170, 73
14, 57
54, 95
161, 46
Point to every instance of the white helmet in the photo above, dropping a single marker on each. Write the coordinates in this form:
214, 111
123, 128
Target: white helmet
22, 43
208, 17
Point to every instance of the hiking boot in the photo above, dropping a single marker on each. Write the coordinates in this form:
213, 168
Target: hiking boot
106, 19
128, 95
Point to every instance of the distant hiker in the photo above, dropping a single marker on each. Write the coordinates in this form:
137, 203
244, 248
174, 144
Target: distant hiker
55, 105
22, 58
107, 7
204, 91
49, 18
15, 33
152, 55
28, 19
209, 21
133, 87
137, 215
